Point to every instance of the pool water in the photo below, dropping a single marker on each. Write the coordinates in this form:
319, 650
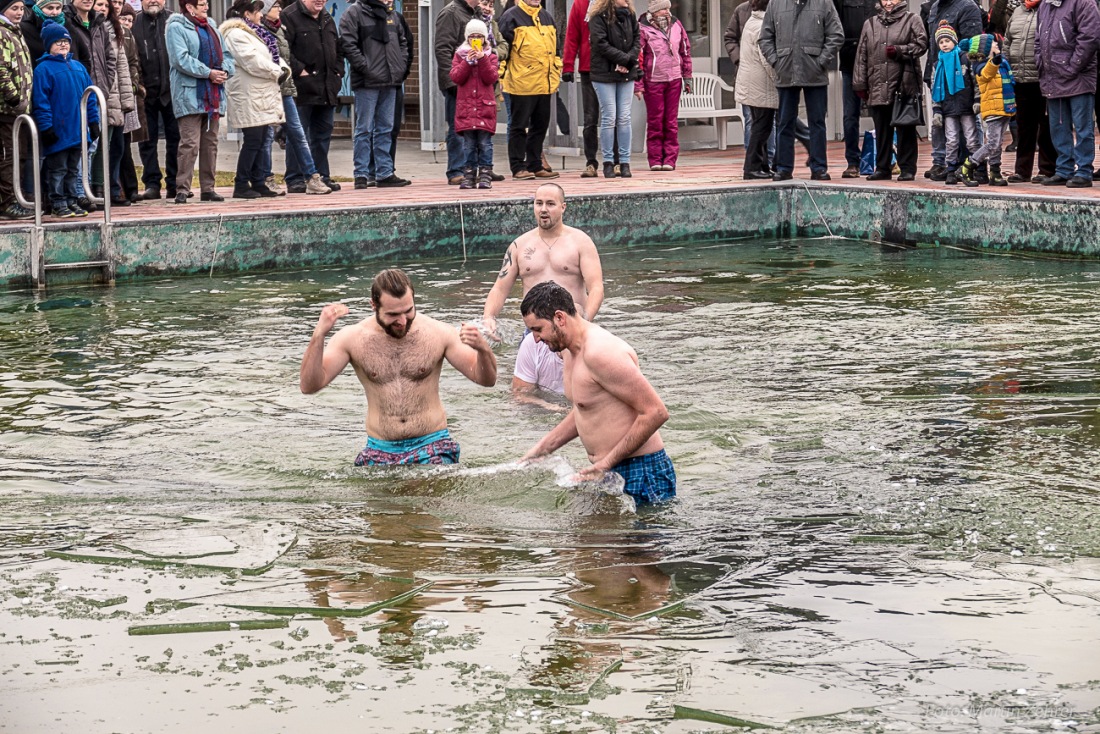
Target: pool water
887, 516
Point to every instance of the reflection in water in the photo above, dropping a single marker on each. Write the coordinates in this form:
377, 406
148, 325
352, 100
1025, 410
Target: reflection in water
863, 436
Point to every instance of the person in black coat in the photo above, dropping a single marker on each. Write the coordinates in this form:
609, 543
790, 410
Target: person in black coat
853, 14
148, 30
317, 62
615, 41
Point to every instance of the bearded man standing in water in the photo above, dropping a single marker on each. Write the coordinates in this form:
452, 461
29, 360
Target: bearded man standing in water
398, 356
616, 412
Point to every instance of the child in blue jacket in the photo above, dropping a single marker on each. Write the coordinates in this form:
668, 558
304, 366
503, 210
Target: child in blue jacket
59, 83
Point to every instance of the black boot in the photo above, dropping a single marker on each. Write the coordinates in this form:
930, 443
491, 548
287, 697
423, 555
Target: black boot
995, 177
467, 179
608, 170
624, 170
244, 191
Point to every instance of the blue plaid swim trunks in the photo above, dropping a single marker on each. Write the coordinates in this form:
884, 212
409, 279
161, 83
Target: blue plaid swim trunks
649, 479
435, 448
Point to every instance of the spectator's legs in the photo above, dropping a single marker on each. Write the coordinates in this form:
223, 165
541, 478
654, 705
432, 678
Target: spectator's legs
297, 147
654, 95
7, 161
320, 135
788, 113
485, 149
590, 105
756, 156
672, 111
56, 170
523, 107
398, 118
1030, 110
884, 138
1061, 133
746, 117
147, 149
208, 154
605, 91
455, 156
366, 103
470, 148
952, 131
851, 120
265, 152
116, 141
938, 136
382, 129
190, 130
624, 92
907, 148
540, 123
817, 100
127, 175
295, 175
1084, 150
246, 158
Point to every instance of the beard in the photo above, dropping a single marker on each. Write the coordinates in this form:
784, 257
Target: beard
153, 9
394, 330
554, 341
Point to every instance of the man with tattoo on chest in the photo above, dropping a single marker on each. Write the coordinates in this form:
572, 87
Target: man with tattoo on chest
398, 356
550, 251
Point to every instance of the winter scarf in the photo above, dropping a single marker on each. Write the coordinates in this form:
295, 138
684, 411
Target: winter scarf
59, 18
267, 37
381, 14
210, 53
489, 38
949, 77
1008, 85
660, 22
889, 17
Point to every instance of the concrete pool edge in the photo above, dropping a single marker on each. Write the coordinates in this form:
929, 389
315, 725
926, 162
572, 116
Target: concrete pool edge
305, 238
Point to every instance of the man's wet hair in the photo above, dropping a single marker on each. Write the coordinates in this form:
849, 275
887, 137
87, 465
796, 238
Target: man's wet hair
393, 282
559, 188
544, 299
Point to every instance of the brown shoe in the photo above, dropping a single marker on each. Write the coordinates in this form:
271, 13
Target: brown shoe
545, 174
589, 172
850, 172
523, 175
454, 180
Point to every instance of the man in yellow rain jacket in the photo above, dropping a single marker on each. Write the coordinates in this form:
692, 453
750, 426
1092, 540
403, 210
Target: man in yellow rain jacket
531, 75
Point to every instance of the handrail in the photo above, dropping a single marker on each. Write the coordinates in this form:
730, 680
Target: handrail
37, 204
105, 200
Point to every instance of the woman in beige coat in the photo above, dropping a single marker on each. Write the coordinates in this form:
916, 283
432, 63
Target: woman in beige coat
119, 91
255, 100
755, 88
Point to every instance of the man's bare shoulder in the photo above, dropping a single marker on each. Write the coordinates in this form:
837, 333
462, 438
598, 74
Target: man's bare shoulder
435, 330
602, 348
578, 236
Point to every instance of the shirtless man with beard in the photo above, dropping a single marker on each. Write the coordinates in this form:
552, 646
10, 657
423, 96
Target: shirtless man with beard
398, 356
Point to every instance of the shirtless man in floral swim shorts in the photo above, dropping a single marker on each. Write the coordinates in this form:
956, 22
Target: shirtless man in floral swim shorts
398, 356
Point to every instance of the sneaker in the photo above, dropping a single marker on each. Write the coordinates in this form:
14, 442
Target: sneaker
1079, 182
316, 186
64, 212
361, 182
86, 204
456, 180
271, 184
393, 181
668, 167
546, 174
590, 171
16, 211
330, 183
78, 211
656, 168
523, 175
851, 172
952, 178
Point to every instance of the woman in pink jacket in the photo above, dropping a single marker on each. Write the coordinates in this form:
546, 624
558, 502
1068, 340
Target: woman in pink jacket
474, 69
666, 72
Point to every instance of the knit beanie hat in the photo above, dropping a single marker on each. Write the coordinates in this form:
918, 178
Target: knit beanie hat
946, 31
979, 47
477, 26
43, 3
5, 4
658, 5
52, 33
268, 4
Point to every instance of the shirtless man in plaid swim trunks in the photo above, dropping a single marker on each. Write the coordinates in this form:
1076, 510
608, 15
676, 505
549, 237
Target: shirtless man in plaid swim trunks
398, 356
616, 412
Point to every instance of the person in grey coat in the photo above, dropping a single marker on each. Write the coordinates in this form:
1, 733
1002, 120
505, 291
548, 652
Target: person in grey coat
800, 40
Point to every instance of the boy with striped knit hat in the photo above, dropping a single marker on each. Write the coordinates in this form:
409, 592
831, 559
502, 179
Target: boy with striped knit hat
954, 102
998, 106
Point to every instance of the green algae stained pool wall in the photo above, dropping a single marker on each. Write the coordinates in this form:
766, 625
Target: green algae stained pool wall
331, 237
296, 239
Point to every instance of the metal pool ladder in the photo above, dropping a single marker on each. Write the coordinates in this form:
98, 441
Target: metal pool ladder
39, 266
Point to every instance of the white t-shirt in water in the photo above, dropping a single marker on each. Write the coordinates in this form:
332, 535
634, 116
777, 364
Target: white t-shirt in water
535, 363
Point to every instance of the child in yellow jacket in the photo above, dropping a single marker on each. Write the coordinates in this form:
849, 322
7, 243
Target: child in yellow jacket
997, 87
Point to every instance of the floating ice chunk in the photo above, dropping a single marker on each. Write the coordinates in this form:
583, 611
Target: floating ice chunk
234, 626
1016, 553
430, 623
1021, 691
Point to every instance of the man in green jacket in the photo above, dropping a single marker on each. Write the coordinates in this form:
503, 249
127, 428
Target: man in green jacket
16, 75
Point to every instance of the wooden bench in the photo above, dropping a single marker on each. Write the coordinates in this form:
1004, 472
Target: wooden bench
702, 103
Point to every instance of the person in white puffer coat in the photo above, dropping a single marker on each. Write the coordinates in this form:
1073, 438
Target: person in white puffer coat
255, 99
755, 88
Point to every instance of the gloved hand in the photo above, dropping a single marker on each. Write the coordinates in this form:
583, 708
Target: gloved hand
94, 130
937, 119
687, 86
567, 77
284, 74
891, 52
862, 94
49, 137
977, 108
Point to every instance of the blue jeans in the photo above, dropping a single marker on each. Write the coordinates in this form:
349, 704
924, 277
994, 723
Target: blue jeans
614, 118
316, 123
62, 172
455, 154
1070, 115
373, 125
852, 104
746, 115
478, 145
297, 147
816, 106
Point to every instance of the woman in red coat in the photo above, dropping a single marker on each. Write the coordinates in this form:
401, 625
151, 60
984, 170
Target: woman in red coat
474, 69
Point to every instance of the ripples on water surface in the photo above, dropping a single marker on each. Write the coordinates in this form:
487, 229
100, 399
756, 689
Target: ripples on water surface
886, 461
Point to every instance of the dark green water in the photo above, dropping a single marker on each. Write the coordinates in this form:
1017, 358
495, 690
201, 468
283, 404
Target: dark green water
888, 484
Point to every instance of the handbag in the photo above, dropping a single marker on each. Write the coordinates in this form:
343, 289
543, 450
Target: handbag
908, 108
